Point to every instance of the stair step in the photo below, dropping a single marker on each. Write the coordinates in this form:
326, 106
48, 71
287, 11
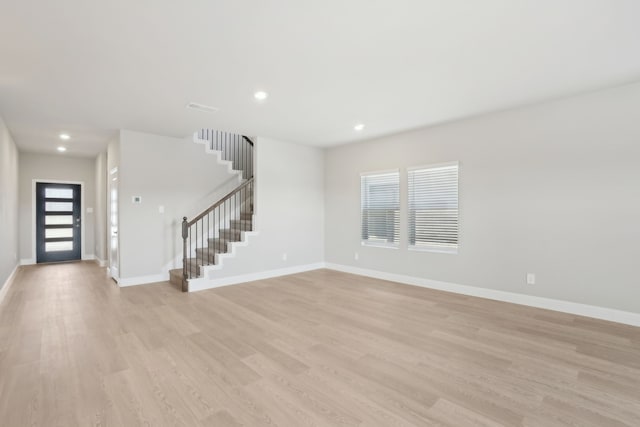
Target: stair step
193, 268
175, 277
230, 234
208, 254
220, 244
246, 215
242, 224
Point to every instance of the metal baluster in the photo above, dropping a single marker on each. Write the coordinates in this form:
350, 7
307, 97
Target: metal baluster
185, 234
225, 217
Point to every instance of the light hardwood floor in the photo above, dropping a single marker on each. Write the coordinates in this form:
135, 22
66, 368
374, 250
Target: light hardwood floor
315, 349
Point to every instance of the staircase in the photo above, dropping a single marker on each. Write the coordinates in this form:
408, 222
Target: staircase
211, 236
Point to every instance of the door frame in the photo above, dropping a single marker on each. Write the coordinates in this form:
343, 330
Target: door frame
34, 208
112, 182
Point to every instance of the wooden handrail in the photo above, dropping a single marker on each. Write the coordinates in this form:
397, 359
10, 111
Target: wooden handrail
219, 202
229, 210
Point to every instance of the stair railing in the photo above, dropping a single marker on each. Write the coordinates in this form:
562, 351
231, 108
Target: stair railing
234, 147
209, 233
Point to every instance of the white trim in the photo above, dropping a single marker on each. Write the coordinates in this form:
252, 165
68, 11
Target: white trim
202, 284
142, 280
382, 172
7, 283
114, 277
434, 249
374, 244
610, 314
232, 249
218, 154
89, 257
33, 214
27, 261
100, 262
434, 166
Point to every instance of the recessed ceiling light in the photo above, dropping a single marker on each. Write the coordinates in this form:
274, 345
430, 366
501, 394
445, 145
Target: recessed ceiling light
202, 107
261, 95
62, 149
358, 127
64, 136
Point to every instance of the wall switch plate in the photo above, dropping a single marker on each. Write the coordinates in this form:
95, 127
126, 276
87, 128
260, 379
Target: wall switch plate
136, 199
284, 256
531, 279
356, 256
89, 210
161, 209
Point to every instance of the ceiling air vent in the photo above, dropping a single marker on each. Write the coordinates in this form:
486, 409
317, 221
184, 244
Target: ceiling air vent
202, 107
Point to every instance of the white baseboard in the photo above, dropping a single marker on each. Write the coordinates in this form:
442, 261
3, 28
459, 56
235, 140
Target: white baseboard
610, 314
7, 284
142, 280
202, 284
27, 261
100, 262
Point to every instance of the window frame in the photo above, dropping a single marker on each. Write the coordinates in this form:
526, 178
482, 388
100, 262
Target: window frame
426, 247
380, 244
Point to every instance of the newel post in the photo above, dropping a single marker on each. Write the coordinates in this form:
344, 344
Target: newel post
185, 235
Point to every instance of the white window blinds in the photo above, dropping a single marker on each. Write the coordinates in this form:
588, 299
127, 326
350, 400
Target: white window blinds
433, 207
380, 208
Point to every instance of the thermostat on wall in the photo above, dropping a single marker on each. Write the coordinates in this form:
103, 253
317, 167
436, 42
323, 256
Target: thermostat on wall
136, 199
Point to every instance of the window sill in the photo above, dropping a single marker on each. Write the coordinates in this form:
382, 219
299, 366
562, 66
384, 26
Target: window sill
452, 251
380, 245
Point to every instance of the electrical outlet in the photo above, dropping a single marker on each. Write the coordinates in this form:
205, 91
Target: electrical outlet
356, 256
531, 279
284, 256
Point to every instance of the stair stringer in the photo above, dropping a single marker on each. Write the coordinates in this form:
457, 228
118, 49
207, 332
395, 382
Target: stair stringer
218, 155
235, 174
208, 271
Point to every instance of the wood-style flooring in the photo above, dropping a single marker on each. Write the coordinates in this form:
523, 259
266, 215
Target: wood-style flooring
315, 349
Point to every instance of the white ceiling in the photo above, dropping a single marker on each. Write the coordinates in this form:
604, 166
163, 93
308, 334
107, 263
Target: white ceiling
91, 67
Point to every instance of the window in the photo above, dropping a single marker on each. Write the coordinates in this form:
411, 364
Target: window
380, 208
433, 208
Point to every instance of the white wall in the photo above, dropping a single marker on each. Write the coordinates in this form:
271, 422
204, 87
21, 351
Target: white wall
289, 210
174, 173
552, 189
100, 211
54, 167
8, 204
